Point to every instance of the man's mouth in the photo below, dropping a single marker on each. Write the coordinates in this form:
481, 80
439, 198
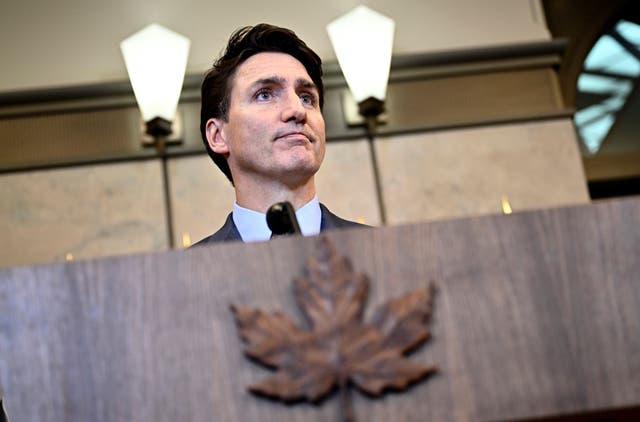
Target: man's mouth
295, 136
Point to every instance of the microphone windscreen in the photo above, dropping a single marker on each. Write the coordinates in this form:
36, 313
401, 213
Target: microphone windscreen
281, 219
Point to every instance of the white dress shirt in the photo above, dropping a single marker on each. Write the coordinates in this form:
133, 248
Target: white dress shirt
253, 227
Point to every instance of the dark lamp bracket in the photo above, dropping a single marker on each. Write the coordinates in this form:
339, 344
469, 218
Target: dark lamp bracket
355, 114
158, 127
371, 107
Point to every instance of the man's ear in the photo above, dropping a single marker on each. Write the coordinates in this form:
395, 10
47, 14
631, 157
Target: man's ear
215, 136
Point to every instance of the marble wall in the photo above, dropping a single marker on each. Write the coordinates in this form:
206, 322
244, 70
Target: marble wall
345, 182
81, 212
99, 210
201, 198
465, 172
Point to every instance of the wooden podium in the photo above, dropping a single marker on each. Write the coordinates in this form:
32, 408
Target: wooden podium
537, 315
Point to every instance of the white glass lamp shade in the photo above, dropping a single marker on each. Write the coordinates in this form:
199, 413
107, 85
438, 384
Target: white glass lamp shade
363, 42
156, 59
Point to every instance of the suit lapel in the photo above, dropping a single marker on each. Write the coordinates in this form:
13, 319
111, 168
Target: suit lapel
229, 231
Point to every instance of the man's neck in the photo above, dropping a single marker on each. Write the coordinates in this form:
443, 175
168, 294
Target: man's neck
259, 197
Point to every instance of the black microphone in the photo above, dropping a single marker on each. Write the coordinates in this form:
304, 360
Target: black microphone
281, 219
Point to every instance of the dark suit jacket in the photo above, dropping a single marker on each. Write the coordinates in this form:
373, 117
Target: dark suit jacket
229, 232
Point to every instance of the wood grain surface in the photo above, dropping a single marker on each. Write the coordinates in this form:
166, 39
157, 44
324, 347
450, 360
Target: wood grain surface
537, 314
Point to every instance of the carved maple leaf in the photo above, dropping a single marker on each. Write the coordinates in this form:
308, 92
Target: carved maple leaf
338, 348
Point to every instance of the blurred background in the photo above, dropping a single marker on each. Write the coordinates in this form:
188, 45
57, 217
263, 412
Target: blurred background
491, 106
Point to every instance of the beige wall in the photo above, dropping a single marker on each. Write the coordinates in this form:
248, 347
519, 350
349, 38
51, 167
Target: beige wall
103, 210
85, 211
466, 172
75, 42
201, 198
345, 182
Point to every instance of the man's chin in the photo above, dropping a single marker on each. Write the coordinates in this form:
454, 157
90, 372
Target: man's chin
298, 171
298, 157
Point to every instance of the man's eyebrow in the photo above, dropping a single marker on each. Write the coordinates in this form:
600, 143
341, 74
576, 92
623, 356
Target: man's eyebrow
270, 80
278, 80
305, 83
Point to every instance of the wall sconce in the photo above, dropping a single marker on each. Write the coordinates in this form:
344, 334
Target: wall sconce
363, 42
156, 59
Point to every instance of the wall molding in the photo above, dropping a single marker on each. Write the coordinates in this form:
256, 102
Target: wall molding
405, 67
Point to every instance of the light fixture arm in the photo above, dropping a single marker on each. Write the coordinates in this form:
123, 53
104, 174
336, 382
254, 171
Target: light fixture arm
371, 122
371, 108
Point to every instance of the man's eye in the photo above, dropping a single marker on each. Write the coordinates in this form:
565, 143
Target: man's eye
264, 94
308, 98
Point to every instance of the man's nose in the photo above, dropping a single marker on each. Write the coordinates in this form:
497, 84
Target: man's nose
293, 109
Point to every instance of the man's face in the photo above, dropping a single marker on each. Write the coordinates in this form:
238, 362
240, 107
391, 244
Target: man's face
275, 130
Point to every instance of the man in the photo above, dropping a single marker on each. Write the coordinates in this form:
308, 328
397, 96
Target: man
261, 123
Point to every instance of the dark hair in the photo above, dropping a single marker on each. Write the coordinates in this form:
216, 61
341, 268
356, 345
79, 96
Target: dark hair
244, 43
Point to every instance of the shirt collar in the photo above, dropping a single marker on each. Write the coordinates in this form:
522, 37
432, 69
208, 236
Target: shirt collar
252, 225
